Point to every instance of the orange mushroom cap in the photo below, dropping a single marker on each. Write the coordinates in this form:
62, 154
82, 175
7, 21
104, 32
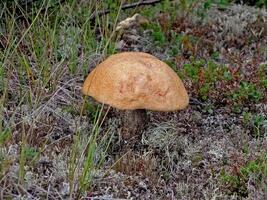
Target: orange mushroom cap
136, 80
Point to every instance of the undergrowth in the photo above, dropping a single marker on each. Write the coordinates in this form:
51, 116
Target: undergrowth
235, 181
41, 53
45, 54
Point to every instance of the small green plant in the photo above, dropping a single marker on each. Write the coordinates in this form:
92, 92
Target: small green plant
5, 163
200, 7
165, 6
258, 122
157, 34
236, 183
31, 153
176, 43
247, 92
2, 75
207, 4
192, 70
255, 123
262, 75
22, 160
258, 3
261, 3
204, 75
4, 136
246, 118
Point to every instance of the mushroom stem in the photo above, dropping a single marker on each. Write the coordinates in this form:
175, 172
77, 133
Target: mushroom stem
133, 123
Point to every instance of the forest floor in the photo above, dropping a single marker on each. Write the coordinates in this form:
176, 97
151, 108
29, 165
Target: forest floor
54, 144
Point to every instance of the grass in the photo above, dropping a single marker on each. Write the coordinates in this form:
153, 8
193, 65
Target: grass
41, 55
92, 155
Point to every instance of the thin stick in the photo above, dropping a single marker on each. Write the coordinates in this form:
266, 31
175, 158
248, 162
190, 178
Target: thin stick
127, 6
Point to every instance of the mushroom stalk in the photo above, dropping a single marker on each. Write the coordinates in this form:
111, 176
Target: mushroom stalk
133, 123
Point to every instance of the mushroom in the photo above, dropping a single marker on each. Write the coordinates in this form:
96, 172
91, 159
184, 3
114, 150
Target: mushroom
136, 82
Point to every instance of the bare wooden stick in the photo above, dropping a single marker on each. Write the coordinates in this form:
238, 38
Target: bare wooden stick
126, 6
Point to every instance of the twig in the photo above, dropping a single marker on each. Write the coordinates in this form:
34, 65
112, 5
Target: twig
195, 101
126, 6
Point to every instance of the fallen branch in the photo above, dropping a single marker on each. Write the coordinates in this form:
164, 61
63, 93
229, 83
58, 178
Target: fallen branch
126, 6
